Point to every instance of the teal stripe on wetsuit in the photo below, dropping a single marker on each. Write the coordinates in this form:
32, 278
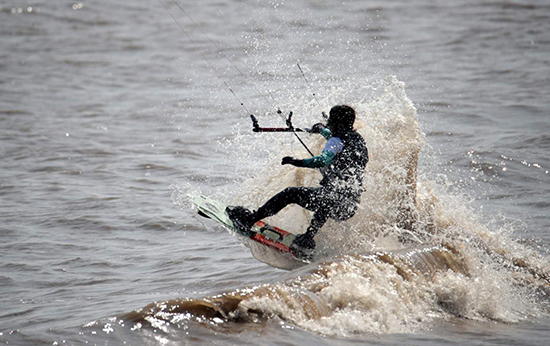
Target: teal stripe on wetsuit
333, 147
325, 132
319, 161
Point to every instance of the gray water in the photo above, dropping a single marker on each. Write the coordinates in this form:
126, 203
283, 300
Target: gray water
111, 115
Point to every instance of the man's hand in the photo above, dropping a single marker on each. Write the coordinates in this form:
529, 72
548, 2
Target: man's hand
317, 128
288, 160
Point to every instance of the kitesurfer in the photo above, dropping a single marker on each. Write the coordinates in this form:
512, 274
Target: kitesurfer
342, 164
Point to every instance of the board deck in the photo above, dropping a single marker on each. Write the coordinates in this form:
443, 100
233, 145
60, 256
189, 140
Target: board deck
262, 233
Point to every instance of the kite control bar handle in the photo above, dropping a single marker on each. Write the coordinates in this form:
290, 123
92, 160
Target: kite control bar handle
256, 127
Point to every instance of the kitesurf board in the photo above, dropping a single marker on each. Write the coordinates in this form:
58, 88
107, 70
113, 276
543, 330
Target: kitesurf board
267, 243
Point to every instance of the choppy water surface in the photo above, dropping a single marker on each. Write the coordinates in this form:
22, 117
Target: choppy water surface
112, 115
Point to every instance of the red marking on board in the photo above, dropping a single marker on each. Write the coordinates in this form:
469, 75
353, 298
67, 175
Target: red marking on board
260, 238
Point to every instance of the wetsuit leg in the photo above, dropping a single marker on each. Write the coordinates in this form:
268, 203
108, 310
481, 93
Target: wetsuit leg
320, 217
308, 198
330, 206
305, 240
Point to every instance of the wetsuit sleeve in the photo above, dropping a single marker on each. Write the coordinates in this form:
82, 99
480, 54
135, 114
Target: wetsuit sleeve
333, 147
325, 132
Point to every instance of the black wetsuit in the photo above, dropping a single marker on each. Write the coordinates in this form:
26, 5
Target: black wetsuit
339, 192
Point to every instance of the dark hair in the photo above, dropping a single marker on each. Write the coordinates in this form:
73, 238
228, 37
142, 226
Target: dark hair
341, 120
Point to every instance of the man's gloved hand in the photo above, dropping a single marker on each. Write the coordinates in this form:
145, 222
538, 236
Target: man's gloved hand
288, 160
317, 128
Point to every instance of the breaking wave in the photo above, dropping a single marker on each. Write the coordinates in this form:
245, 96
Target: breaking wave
414, 252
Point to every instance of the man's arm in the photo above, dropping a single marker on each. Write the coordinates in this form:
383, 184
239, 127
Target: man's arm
333, 147
321, 129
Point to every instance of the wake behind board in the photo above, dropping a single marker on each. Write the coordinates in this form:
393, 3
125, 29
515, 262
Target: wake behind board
267, 243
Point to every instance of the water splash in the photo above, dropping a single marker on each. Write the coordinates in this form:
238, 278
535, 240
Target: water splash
414, 252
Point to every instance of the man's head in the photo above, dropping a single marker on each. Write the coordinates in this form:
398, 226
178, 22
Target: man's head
341, 120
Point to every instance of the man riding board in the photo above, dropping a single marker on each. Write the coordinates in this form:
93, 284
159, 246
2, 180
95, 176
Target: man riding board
342, 164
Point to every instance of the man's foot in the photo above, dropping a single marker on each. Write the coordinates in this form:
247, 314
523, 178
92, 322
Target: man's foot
303, 246
241, 218
305, 241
